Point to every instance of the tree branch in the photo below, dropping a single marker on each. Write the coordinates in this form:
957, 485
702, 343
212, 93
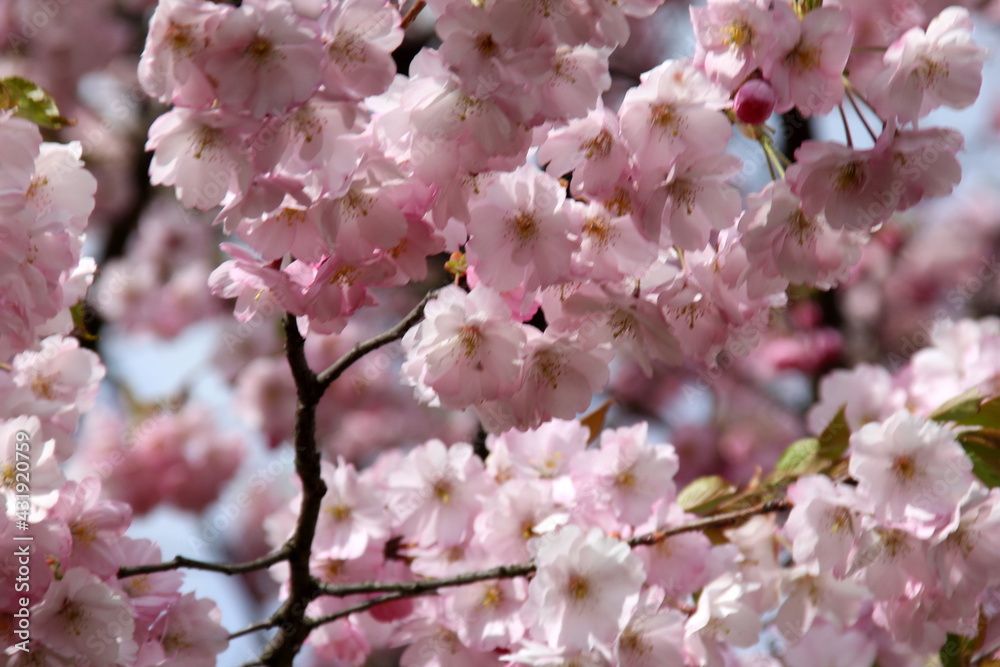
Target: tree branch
412, 14
327, 377
178, 562
406, 589
302, 589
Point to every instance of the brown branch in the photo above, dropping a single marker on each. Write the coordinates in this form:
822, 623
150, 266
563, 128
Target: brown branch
412, 14
327, 377
250, 629
727, 520
178, 562
281, 650
405, 589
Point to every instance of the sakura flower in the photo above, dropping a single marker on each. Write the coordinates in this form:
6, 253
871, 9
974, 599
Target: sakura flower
814, 648
734, 36
853, 188
890, 561
39, 454
573, 83
591, 148
584, 590
928, 69
784, 242
521, 232
964, 354
722, 618
149, 595
806, 67
259, 289
508, 522
652, 638
82, 617
809, 593
199, 154
611, 247
675, 109
824, 523
171, 68
911, 470
359, 37
677, 564
264, 59
866, 393
435, 493
632, 474
560, 375
351, 515
486, 614
95, 525
191, 633
693, 198
545, 452
466, 350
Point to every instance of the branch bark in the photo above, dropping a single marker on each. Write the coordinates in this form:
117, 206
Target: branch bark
178, 562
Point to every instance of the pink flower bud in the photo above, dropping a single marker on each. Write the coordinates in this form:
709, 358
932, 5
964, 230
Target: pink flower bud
754, 102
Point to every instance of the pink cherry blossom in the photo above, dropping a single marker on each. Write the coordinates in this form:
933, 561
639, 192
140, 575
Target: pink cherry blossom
734, 37
585, 589
911, 470
466, 350
924, 70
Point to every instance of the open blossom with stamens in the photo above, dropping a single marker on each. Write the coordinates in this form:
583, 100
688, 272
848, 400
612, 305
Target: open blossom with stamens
560, 375
592, 149
359, 37
351, 515
585, 589
81, 617
263, 58
806, 66
824, 523
911, 470
521, 232
694, 198
734, 37
675, 109
435, 493
928, 69
466, 350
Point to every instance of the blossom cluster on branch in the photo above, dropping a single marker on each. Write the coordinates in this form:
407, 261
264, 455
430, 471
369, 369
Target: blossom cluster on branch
556, 236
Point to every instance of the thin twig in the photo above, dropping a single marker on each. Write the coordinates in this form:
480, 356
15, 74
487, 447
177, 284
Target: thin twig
256, 627
327, 377
405, 589
178, 562
412, 14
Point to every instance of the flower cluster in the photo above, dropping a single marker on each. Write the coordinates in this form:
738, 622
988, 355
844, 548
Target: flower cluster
79, 609
46, 197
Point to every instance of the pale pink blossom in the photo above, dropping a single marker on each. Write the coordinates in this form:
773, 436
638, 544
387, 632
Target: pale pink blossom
924, 70
351, 515
191, 633
734, 37
82, 617
806, 65
866, 393
675, 109
585, 588
912, 471
466, 350
359, 37
521, 232
435, 493
824, 523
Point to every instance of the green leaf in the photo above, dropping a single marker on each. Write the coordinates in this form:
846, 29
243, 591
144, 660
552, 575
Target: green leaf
835, 437
983, 449
700, 494
79, 315
30, 101
801, 457
954, 651
959, 408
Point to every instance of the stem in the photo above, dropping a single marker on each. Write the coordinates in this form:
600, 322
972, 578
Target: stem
406, 589
290, 617
226, 568
412, 14
327, 377
847, 127
851, 91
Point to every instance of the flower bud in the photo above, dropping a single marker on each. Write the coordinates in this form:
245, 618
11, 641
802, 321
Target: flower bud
754, 102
